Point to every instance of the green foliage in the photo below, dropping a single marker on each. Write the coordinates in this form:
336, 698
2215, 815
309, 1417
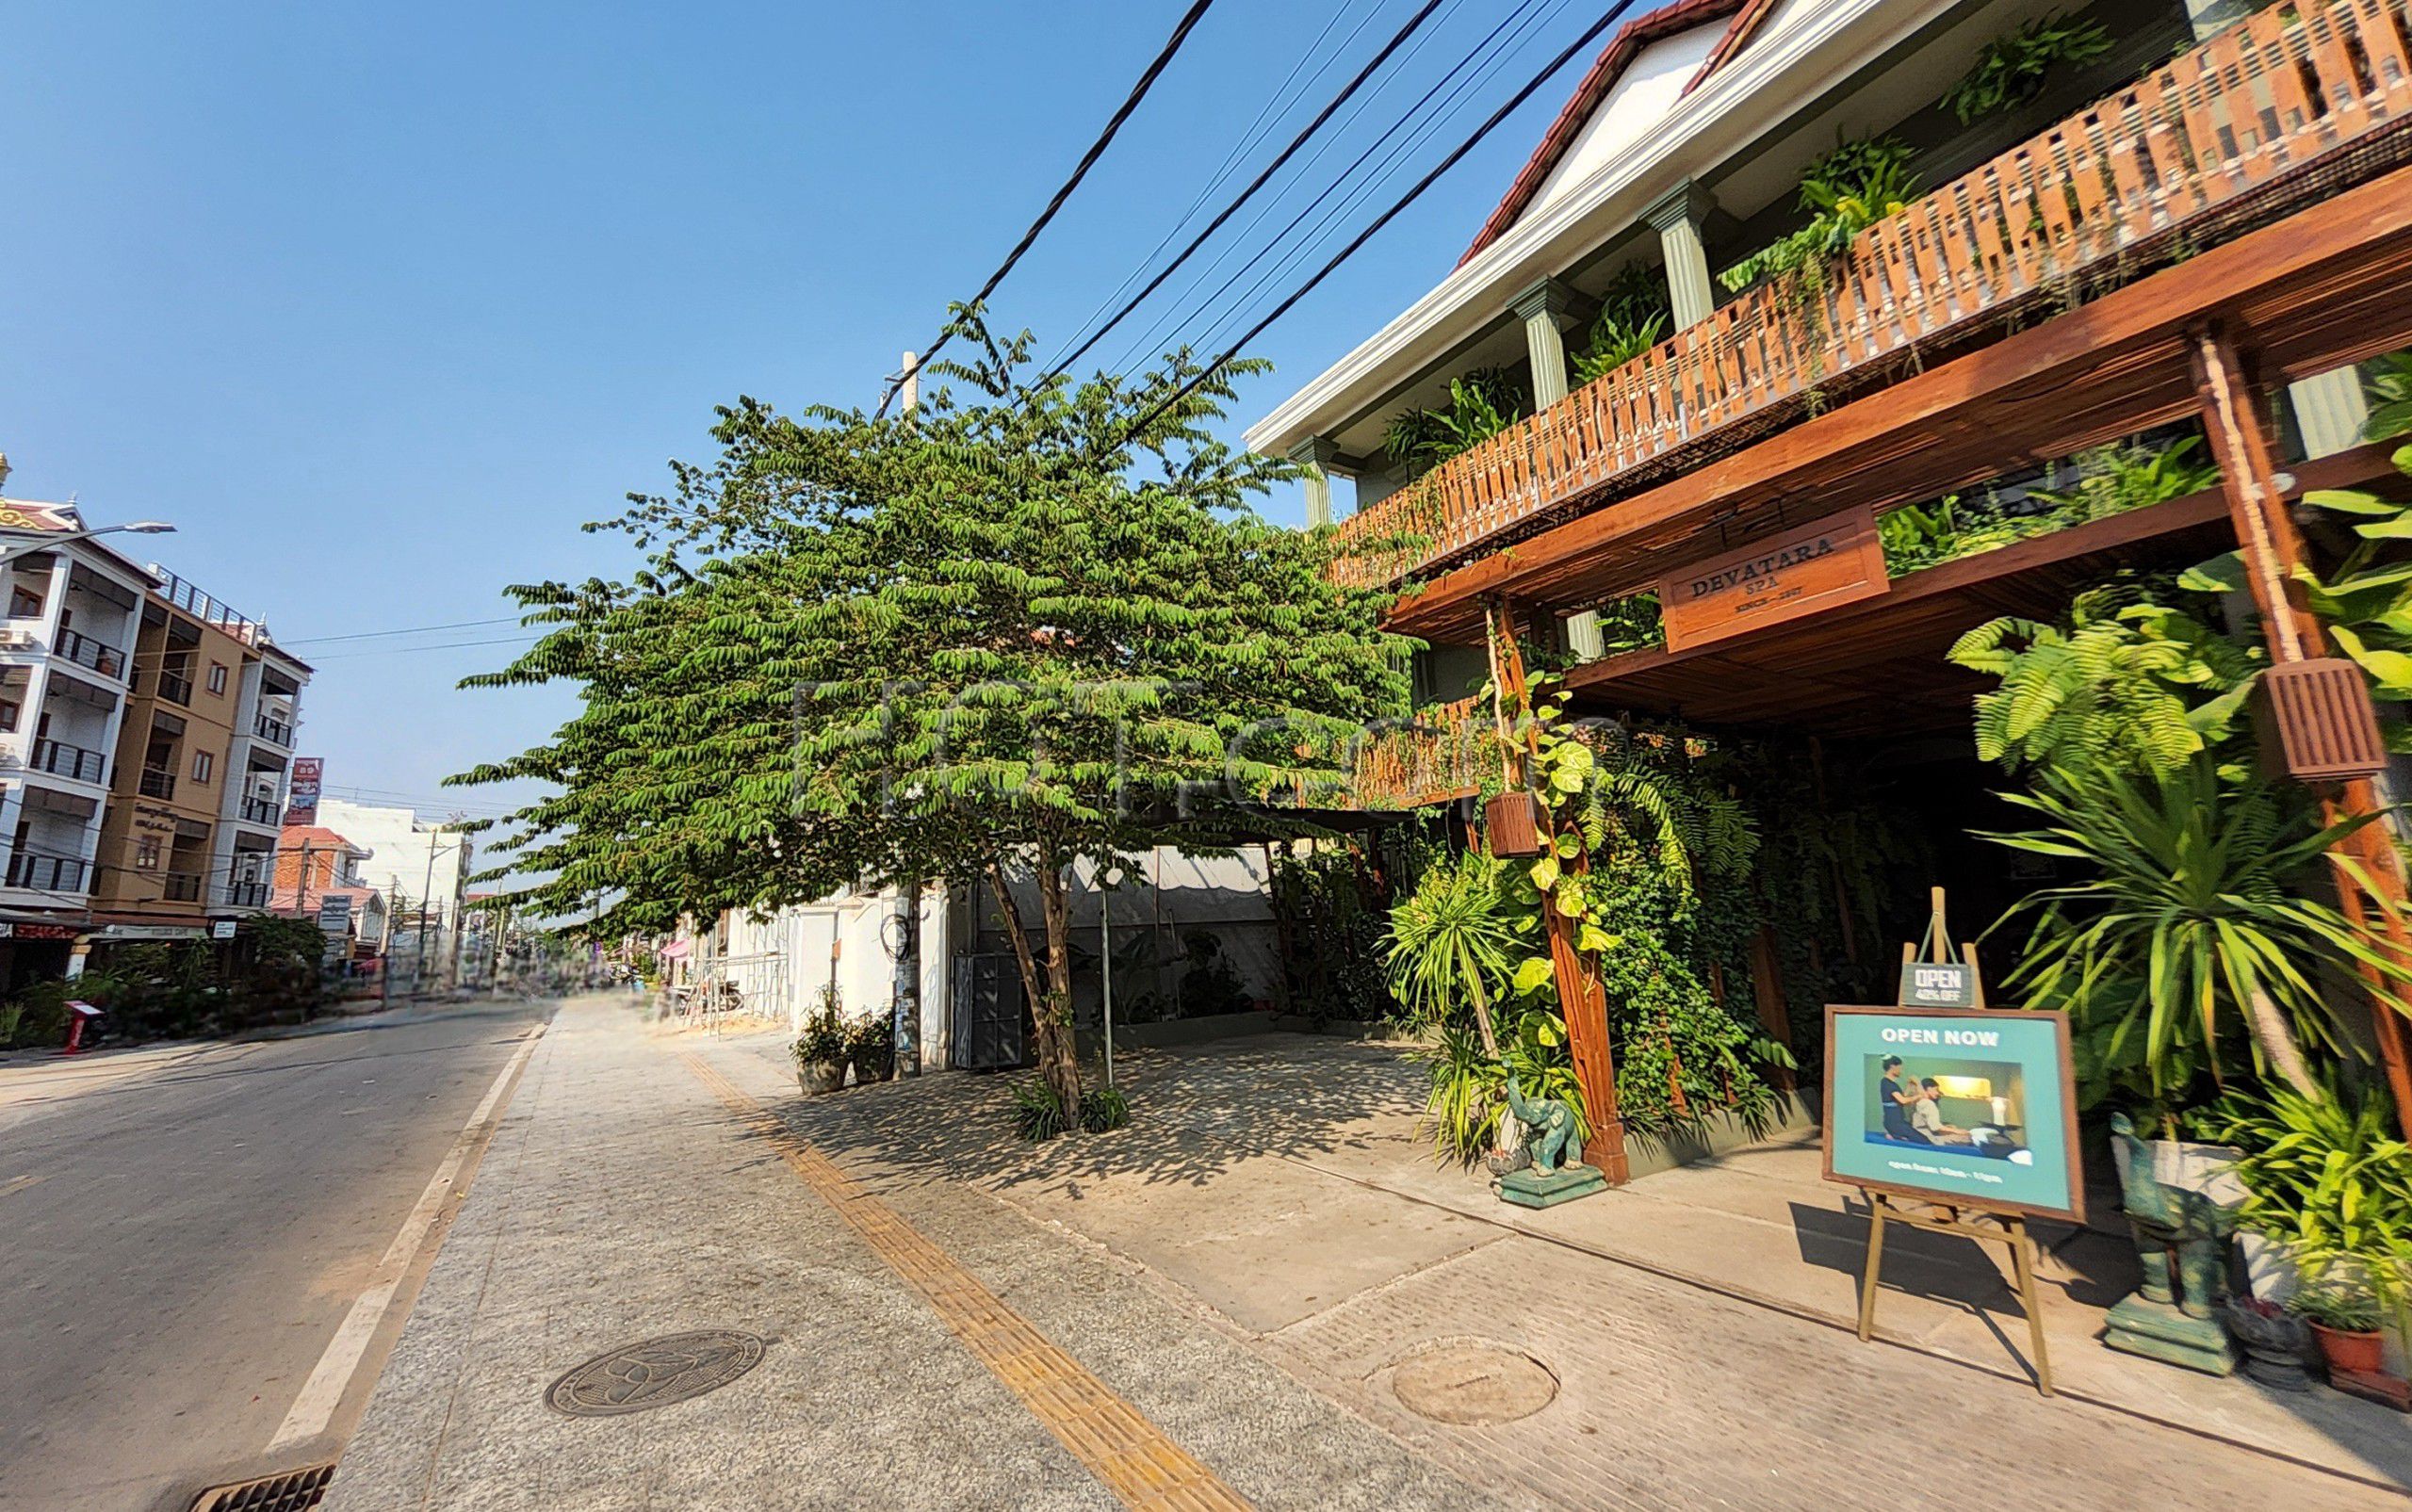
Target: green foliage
976, 641
1634, 317
871, 1043
1039, 1111
1844, 192
1482, 403
2011, 69
823, 1041
2387, 385
1102, 1108
2192, 914
2128, 685
1633, 623
2365, 601
1209, 983
1332, 900
2338, 1302
2331, 1181
1452, 942
40, 1016
2111, 481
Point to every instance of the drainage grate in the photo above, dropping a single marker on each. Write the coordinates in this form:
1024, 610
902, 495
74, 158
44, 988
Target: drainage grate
295, 1490
655, 1373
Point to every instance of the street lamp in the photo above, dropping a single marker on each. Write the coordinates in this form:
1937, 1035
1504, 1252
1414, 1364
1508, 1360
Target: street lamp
46, 541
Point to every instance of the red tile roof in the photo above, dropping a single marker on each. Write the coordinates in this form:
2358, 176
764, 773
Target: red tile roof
317, 837
1630, 39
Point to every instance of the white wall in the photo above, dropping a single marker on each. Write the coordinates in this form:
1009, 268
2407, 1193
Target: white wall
1642, 97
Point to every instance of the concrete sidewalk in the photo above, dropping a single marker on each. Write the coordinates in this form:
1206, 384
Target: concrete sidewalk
925, 1344
1699, 1321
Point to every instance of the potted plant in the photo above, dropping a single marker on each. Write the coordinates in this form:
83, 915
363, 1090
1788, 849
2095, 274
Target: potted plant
2275, 1342
819, 1053
871, 1046
2344, 1317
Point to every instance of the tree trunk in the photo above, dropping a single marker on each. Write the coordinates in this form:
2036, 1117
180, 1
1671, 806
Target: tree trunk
1059, 1058
2277, 1041
1038, 992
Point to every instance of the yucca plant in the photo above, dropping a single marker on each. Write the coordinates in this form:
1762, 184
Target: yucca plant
1451, 943
2192, 916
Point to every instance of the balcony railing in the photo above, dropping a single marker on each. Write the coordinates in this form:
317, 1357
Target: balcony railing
274, 731
156, 782
261, 811
86, 652
2283, 107
1440, 755
174, 686
180, 886
247, 892
61, 759
46, 873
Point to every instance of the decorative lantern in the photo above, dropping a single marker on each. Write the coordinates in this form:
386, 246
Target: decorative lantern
1513, 821
2327, 730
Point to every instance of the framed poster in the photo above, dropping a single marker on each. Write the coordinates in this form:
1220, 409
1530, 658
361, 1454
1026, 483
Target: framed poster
1975, 1107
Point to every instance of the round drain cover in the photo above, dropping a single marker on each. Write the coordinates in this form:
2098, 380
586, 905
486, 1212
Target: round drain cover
1473, 1383
655, 1373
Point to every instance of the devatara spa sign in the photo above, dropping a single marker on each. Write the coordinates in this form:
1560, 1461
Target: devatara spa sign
1975, 1108
1774, 578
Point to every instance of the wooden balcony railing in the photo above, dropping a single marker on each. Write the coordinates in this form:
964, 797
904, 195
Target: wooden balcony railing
2280, 110
1441, 754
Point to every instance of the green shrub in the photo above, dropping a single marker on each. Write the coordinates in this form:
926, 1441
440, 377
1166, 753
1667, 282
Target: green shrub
1038, 1113
1105, 1108
871, 1046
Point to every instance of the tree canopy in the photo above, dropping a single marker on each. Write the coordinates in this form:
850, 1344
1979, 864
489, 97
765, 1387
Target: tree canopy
1026, 622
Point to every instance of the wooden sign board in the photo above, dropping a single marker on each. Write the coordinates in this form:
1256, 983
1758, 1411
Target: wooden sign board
1839, 560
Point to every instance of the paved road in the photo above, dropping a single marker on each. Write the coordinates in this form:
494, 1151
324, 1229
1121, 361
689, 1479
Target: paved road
179, 1245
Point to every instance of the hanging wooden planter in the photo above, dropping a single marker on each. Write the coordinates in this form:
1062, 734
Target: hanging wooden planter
1513, 821
2326, 728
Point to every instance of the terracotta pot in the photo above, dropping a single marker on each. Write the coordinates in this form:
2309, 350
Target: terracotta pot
2354, 1349
820, 1076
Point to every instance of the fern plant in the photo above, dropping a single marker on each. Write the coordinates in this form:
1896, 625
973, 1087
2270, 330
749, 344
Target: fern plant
1482, 403
2011, 69
2138, 687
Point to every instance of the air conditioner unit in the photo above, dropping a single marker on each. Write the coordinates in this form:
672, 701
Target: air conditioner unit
22, 639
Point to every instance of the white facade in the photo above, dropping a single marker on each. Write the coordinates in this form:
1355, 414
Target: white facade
782, 964
66, 659
414, 861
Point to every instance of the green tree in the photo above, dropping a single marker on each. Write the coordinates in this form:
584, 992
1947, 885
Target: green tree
1031, 622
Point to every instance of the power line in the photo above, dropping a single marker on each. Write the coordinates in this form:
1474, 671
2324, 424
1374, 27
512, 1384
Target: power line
1548, 70
433, 645
1476, 67
1173, 320
1088, 159
415, 629
1275, 106
1398, 40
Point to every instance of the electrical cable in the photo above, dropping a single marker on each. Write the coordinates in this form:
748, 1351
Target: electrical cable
1088, 159
1549, 70
1399, 39
1275, 106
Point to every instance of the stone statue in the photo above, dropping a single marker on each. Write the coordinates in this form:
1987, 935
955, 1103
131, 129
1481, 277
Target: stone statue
2178, 1322
1549, 1130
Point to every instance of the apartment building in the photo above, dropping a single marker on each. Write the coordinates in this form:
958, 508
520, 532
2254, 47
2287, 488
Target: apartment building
66, 663
196, 792
2178, 239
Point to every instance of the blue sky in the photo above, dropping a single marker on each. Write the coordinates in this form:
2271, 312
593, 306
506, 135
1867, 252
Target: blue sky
378, 304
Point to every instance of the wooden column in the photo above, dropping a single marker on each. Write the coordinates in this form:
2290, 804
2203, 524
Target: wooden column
1580, 996
2273, 548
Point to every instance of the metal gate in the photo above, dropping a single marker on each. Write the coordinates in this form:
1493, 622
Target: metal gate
987, 1012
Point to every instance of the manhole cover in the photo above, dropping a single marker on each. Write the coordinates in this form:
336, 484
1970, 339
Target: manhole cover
1473, 1383
655, 1373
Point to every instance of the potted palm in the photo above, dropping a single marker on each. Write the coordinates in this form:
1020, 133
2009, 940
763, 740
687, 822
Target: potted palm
820, 1052
2344, 1316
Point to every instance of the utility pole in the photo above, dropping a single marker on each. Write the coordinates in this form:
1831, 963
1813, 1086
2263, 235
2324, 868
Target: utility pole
906, 1028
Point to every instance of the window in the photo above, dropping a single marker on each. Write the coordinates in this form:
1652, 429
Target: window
146, 852
202, 763
218, 677
7, 714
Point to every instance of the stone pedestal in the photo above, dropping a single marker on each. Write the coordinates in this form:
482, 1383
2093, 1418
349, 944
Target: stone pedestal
1529, 1188
2157, 1330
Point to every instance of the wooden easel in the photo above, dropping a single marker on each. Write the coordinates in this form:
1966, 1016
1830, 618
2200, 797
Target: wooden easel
1945, 1218
2007, 1227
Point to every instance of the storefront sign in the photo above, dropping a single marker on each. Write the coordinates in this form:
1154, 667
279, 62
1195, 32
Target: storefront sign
39, 931
335, 914
302, 794
1938, 984
222, 929
1835, 560
1975, 1108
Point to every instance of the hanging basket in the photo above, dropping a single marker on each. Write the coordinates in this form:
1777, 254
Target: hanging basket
1513, 821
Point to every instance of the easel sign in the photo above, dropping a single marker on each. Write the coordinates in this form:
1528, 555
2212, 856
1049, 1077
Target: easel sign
1930, 977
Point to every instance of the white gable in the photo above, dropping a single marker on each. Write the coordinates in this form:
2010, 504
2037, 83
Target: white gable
1639, 100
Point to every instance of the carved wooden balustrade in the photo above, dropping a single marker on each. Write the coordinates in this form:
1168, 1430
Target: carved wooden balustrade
2277, 113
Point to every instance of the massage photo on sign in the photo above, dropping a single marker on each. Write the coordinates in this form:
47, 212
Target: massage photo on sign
1950, 1105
